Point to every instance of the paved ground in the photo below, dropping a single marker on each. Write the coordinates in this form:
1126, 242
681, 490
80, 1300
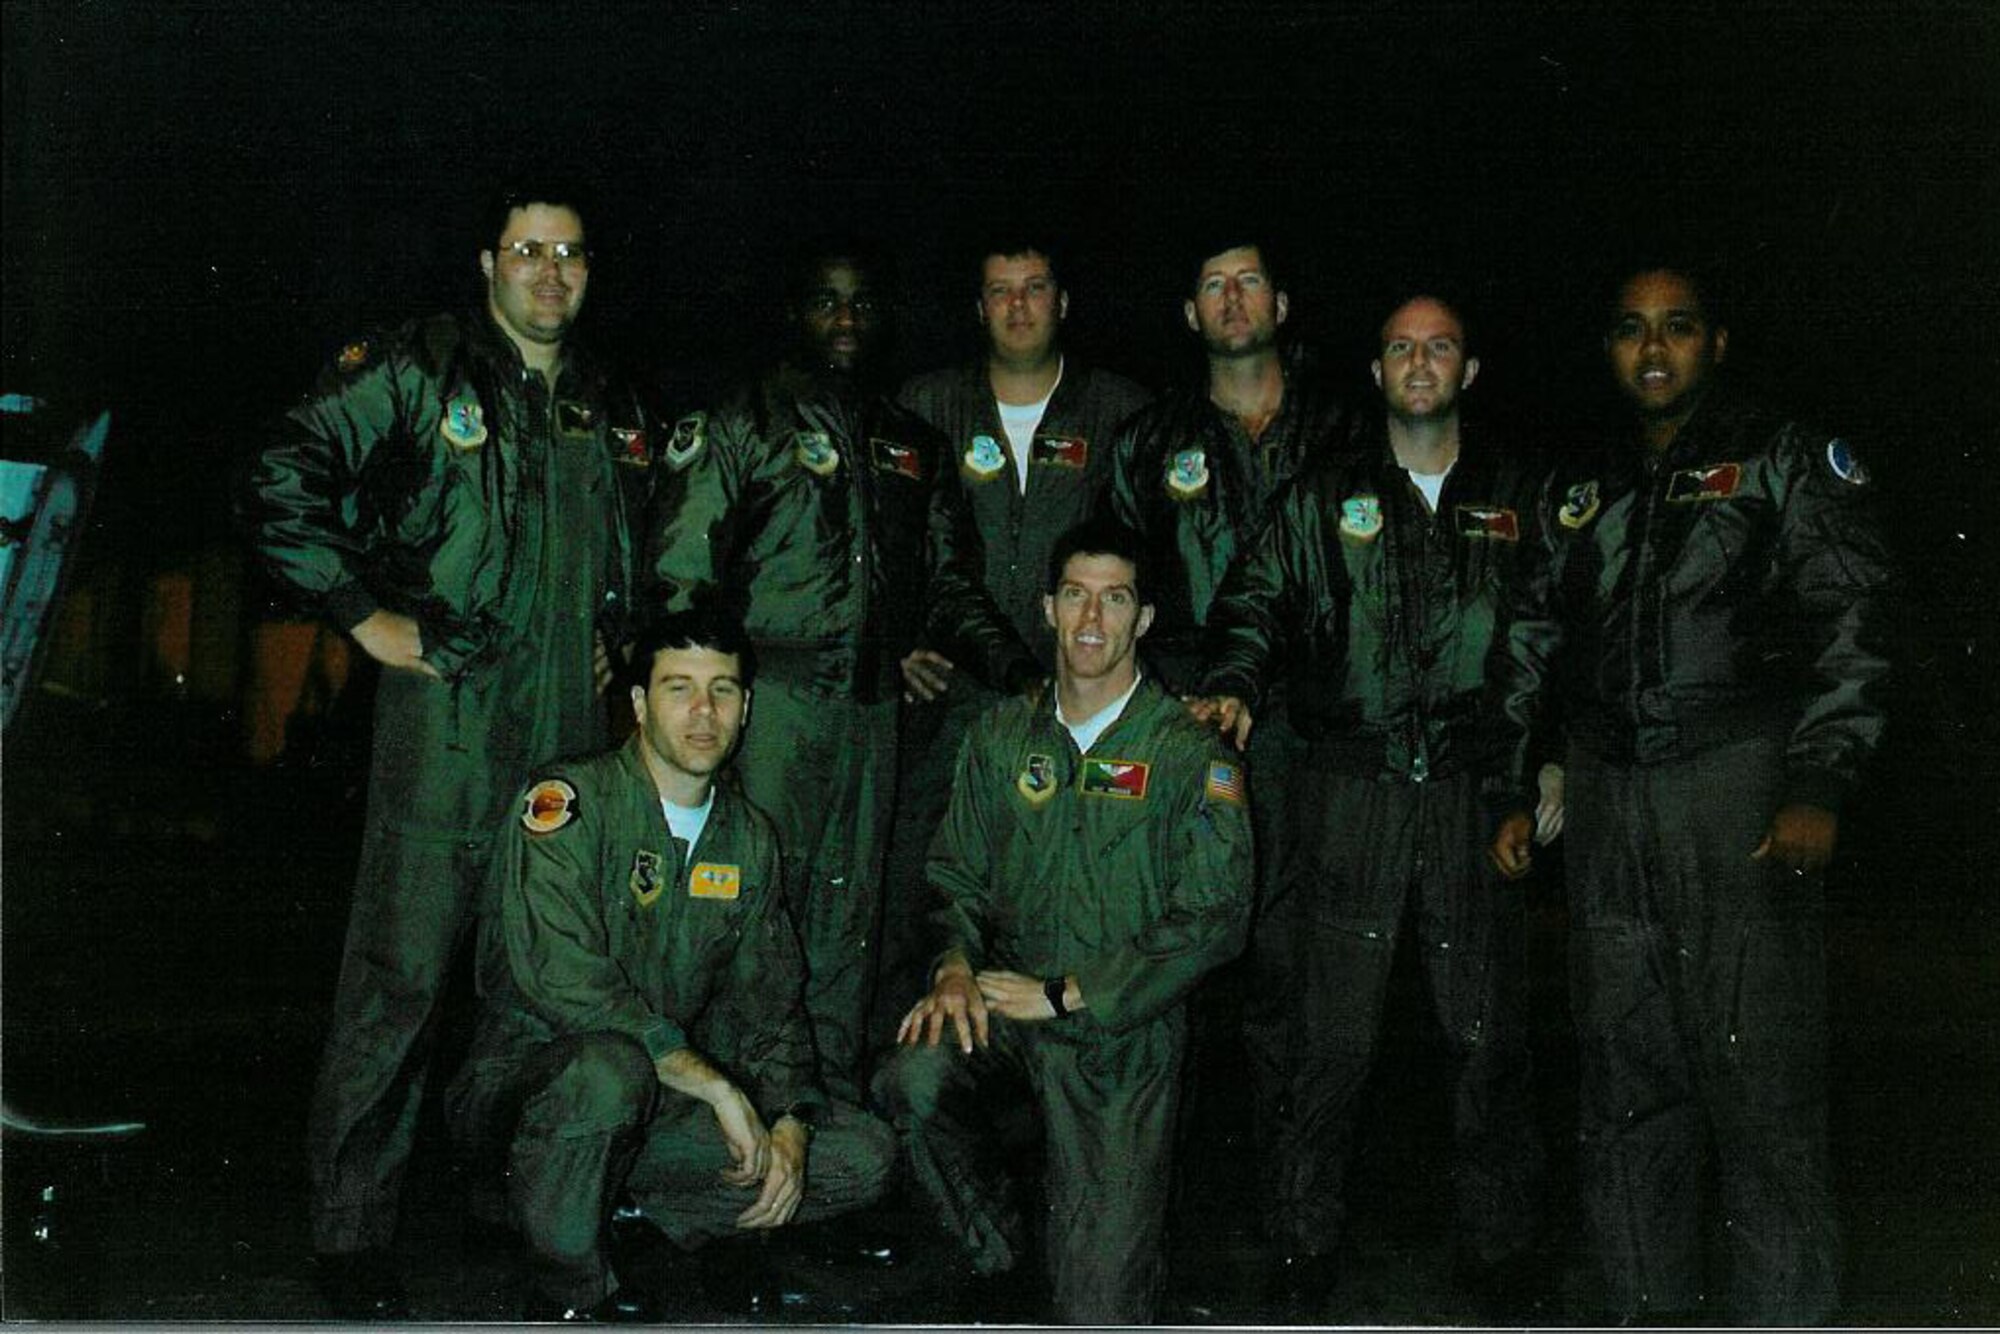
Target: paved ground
172, 924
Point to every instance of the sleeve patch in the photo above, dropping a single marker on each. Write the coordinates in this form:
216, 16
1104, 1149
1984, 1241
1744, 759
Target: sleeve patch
549, 806
1846, 464
1225, 783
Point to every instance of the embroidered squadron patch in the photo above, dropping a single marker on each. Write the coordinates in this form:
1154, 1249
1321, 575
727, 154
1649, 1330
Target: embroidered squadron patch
1488, 523
1579, 505
1060, 451
645, 881
352, 357
549, 805
1716, 481
901, 460
1225, 782
1846, 464
1187, 475
690, 434
715, 880
574, 418
1361, 518
1037, 781
464, 424
983, 459
815, 453
1123, 779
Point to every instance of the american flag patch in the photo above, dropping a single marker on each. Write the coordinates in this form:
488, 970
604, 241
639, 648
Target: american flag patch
1225, 783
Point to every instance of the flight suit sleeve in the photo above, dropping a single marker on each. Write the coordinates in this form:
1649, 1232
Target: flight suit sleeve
764, 1000
300, 495
1257, 601
1205, 865
1832, 558
962, 853
557, 949
1520, 670
691, 530
962, 615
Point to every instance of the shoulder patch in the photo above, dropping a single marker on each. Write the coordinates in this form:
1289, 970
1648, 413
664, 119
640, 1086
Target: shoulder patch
815, 452
1846, 464
352, 357
1225, 782
549, 805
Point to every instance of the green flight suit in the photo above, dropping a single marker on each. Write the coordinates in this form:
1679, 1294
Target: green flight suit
431, 473
835, 526
1130, 868
1068, 463
611, 945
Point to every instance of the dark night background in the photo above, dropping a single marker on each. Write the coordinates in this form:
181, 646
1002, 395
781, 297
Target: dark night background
203, 201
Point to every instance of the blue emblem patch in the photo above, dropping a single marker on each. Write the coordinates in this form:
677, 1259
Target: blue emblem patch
464, 425
983, 459
1188, 475
1846, 464
1361, 517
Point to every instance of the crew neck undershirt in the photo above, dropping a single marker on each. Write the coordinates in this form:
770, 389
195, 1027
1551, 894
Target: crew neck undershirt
1085, 733
1020, 421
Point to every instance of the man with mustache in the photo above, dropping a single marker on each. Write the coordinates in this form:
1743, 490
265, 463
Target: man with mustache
459, 497
1704, 609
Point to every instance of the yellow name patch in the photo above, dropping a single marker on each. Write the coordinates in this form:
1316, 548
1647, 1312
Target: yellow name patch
713, 880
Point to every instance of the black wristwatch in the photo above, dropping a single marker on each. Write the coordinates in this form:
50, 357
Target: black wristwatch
1054, 989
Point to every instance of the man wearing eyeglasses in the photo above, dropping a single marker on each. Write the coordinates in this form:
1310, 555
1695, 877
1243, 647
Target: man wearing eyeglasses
1031, 429
834, 523
457, 496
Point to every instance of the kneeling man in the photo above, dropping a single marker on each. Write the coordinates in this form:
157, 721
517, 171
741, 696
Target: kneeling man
1093, 865
643, 1027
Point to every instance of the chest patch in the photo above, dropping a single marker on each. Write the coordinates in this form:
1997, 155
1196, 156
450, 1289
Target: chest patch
645, 881
1716, 481
1579, 505
352, 357
815, 453
983, 459
1123, 780
1037, 779
1846, 464
574, 418
898, 460
1187, 475
1488, 523
1060, 451
1361, 518
684, 445
464, 423
549, 805
632, 450
715, 880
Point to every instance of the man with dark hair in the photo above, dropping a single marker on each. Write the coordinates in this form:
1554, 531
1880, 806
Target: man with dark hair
1195, 474
643, 1028
1705, 609
834, 523
1031, 429
1094, 864
457, 497
1374, 590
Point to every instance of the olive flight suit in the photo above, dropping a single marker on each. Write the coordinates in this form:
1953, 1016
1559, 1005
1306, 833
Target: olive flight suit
434, 474
1710, 623
834, 525
1130, 868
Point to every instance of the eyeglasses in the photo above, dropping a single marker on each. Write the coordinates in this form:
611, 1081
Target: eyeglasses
566, 254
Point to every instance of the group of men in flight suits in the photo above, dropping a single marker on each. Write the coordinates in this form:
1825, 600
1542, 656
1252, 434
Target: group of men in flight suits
1377, 645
